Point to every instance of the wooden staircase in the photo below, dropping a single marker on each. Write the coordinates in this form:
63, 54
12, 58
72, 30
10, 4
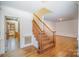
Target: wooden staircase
43, 34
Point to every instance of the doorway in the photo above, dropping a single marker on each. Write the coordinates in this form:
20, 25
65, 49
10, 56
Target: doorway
12, 41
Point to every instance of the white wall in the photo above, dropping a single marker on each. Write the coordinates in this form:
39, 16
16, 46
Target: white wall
25, 19
2, 41
67, 28
51, 25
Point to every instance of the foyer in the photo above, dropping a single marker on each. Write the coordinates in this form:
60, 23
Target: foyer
39, 29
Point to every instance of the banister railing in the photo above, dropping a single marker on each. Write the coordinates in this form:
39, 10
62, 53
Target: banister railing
42, 32
37, 25
43, 22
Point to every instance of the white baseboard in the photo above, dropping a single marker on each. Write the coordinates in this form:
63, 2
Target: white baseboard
28, 44
66, 36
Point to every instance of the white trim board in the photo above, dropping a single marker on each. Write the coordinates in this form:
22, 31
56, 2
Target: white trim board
28, 45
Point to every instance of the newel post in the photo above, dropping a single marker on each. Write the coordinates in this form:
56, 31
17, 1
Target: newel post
54, 38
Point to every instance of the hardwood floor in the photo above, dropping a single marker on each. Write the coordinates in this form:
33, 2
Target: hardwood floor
65, 46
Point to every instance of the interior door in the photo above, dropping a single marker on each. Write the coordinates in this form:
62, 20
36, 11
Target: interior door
10, 36
12, 41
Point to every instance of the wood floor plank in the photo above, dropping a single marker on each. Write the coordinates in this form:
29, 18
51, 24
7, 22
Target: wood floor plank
65, 46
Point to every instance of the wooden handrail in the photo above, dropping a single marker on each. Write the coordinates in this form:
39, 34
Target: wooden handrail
37, 25
43, 22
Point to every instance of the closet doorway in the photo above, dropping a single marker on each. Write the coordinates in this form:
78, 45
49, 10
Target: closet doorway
12, 30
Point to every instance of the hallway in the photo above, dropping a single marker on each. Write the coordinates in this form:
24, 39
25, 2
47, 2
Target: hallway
65, 46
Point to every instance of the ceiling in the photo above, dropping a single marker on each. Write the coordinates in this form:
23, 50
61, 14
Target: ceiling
59, 9
64, 10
